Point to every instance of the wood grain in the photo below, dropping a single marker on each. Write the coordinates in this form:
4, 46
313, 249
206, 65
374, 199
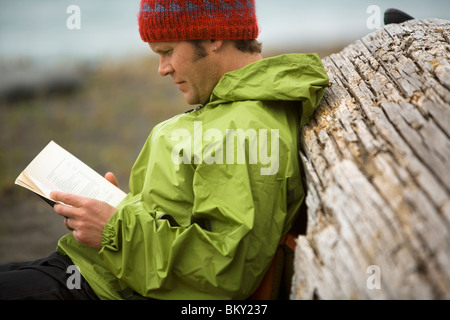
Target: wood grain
376, 157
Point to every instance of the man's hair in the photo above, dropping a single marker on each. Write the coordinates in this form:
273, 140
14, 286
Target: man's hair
250, 46
247, 46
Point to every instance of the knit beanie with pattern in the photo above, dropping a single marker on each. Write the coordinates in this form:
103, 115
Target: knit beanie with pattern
176, 20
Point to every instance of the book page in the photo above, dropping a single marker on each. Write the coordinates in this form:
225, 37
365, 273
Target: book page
55, 169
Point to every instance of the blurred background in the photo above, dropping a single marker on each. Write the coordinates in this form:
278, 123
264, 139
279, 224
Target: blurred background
81, 76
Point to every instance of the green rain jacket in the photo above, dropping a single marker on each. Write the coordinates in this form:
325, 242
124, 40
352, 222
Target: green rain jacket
212, 191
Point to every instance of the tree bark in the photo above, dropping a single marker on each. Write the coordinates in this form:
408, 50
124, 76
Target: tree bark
376, 159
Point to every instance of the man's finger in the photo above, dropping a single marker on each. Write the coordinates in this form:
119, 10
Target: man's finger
66, 222
112, 178
65, 210
67, 198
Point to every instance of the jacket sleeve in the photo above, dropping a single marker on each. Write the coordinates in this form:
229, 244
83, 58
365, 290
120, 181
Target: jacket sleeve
224, 258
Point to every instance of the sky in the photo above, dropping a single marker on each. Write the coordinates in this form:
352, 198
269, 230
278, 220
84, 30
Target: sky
39, 29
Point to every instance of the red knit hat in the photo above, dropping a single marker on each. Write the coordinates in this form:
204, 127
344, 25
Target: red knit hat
175, 20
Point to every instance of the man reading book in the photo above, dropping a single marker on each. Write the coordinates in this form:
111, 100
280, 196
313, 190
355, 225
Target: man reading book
213, 190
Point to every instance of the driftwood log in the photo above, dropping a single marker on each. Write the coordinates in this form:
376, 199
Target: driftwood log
377, 163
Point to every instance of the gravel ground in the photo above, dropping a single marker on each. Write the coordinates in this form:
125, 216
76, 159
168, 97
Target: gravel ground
29, 229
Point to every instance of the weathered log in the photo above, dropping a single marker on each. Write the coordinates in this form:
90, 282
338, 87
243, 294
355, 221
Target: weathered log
376, 157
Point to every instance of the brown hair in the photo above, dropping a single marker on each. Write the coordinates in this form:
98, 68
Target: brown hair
248, 46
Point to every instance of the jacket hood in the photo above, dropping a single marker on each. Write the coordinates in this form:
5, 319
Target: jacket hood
289, 77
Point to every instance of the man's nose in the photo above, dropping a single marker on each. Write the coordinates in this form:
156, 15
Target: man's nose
165, 68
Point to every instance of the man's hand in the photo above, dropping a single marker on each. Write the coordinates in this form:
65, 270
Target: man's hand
86, 217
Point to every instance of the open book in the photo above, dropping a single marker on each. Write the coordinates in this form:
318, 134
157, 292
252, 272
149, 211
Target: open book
55, 169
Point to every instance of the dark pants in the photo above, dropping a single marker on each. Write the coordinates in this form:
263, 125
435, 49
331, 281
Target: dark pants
50, 278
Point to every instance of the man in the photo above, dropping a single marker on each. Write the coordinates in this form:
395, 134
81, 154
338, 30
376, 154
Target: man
214, 189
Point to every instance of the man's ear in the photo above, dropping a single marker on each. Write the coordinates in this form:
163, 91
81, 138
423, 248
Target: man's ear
216, 45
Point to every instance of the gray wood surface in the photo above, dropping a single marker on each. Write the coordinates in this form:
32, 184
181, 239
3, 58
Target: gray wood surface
377, 162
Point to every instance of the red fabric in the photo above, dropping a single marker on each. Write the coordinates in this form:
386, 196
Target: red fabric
175, 20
